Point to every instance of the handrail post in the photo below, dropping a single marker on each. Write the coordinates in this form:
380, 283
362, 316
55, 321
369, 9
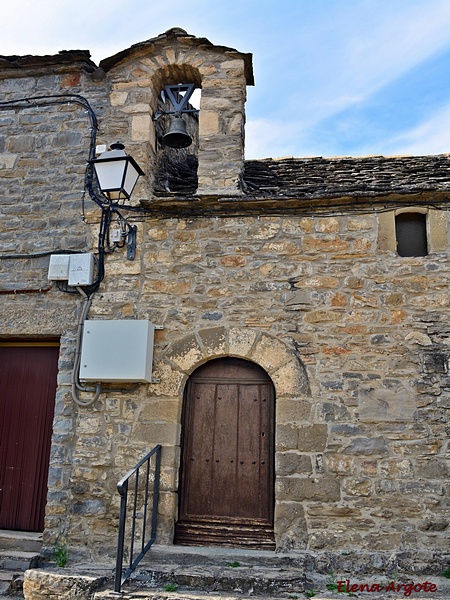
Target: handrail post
123, 491
156, 493
144, 519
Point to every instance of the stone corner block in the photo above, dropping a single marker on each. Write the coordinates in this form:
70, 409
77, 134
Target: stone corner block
7, 161
270, 353
209, 123
312, 438
59, 584
286, 437
290, 526
170, 382
298, 489
140, 128
390, 405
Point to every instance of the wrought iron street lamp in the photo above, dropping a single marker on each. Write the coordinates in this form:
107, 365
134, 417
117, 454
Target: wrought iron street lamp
117, 172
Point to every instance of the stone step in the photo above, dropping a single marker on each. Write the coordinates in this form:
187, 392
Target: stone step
11, 583
26, 541
11, 560
94, 582
219, 556
69, 582
223, 578
4, 588
319, 588
19, 551
220, 569
320, 596
191, 595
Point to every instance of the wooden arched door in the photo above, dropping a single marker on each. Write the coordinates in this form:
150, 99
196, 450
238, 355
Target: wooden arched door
227, 458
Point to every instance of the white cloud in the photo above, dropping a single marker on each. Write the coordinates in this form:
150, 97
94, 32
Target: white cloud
265, 138
430, 137
313, 59
359, 52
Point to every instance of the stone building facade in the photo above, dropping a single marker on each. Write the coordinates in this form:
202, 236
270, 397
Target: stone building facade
288, 264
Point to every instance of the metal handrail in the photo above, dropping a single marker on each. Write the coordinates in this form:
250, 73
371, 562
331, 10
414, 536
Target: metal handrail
122, 487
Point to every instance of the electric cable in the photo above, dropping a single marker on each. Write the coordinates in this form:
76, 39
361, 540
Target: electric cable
38, 254
89, 184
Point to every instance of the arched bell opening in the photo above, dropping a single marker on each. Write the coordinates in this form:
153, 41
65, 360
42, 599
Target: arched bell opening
177, 130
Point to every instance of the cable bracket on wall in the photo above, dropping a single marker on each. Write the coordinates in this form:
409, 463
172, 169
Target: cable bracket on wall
131, 245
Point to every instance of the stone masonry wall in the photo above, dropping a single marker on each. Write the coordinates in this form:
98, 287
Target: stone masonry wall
43, 153
361, 449
355, 339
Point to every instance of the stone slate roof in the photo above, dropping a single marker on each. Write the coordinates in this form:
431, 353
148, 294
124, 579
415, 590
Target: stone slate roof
64, 61
311, 185
346, 176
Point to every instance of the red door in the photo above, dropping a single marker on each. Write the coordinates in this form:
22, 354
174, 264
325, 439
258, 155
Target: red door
27, 399
227, 462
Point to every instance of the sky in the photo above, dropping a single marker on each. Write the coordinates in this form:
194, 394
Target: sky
332, 77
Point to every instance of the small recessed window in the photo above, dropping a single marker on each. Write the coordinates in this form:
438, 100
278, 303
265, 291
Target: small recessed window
411, 234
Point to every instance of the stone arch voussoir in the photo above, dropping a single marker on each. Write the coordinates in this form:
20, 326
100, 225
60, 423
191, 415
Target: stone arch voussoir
174, 73
274, 356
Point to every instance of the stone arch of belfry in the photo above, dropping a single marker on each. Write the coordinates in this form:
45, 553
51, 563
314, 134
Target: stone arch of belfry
221, 73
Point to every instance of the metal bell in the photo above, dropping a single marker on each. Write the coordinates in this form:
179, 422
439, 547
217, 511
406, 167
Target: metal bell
177, 136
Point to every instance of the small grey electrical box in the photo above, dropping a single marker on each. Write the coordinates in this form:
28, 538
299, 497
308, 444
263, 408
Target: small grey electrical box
58, 268
76, 269
115, 351
81, 269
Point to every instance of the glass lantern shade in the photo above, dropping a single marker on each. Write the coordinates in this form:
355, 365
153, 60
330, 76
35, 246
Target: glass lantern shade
117, 172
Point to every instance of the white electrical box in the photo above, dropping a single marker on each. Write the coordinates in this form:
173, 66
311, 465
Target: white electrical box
76, 269
81, 269
58, 268
114, 351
